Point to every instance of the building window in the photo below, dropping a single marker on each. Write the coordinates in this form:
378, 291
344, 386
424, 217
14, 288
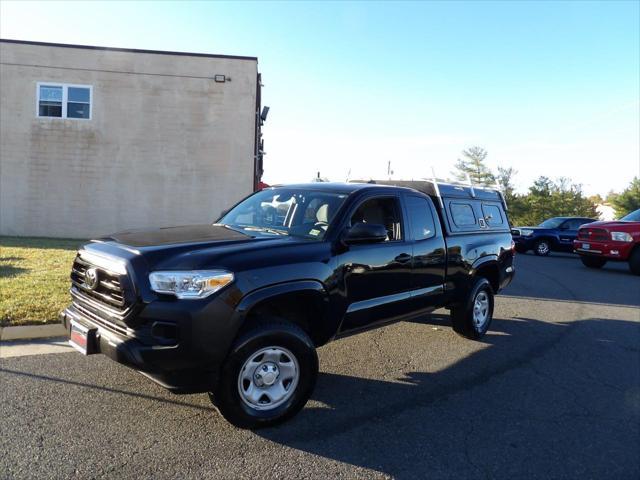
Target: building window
64, 101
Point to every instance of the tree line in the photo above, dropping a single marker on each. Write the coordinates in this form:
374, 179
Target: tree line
546, 197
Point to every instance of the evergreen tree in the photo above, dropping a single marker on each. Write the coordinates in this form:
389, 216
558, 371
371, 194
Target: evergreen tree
628, 200
515, 203
548, 198
473, 164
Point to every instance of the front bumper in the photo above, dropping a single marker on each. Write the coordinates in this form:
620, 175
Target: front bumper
523, 243
190, 363
608, 249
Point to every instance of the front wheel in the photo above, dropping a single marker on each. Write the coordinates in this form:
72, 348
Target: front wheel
268, 376
542, 248
472, 318
634, 261
593, 262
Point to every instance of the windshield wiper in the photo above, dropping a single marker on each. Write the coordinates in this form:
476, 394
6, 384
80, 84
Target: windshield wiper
265, 229
235, 229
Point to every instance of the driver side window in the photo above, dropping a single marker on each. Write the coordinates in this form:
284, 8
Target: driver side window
382, 211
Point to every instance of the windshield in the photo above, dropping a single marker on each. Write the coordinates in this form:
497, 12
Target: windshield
632, 217
285, 211
552, 222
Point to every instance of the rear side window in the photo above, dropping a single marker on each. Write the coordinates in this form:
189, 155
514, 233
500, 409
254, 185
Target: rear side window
420, 217
492, 215
462, 214
575, 224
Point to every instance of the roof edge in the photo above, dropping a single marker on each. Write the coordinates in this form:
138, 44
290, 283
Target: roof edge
126, 50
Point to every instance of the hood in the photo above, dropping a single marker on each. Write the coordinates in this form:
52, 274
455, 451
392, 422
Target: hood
613, 224
187, 247
529, 228
190, 234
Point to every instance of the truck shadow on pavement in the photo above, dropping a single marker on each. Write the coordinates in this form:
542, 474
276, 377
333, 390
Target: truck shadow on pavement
520, 406
536, 399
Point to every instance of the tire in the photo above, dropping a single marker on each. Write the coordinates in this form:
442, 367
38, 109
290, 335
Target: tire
245, 397
464, 317
634, 261
542, 248
593, 262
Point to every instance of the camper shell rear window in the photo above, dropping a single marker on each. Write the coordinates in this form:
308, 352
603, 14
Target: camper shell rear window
474, 215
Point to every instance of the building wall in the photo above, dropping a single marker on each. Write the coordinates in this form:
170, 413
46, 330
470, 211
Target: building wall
166, 144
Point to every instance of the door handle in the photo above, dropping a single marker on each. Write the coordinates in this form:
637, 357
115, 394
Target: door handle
403, 258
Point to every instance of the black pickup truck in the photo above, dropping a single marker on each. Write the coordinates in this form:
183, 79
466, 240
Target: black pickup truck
237, 308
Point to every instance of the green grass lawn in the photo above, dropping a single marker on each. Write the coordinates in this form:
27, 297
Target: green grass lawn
34, 279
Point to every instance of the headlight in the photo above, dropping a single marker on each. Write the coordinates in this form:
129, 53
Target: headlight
193, 284
621, 237
526, 233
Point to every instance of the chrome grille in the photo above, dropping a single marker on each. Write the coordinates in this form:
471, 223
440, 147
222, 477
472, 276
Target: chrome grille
109, 324
106, 297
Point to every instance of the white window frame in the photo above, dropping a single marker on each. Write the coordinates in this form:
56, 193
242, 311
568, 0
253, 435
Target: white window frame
65, 96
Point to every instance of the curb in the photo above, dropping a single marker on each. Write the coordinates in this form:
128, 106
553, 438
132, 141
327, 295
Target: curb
25, 332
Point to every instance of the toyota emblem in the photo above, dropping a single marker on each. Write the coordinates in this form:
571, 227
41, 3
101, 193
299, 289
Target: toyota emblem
91, 278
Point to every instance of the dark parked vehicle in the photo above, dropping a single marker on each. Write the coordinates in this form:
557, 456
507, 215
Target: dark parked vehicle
553, 235
238, 308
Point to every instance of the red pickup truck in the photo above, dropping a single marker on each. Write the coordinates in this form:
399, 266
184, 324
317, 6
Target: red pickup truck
619, 241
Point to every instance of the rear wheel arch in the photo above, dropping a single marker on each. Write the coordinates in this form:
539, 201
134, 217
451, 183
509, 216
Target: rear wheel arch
488, 269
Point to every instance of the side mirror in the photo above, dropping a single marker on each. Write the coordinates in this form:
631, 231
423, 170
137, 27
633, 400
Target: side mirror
365, 233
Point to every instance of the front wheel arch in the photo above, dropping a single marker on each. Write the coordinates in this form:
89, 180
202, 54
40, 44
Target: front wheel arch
302, 303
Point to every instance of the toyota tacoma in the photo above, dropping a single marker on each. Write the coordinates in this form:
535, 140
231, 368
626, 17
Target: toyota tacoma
237, 308
553, 235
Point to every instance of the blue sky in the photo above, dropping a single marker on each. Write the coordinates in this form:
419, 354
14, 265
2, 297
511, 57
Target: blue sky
546, 87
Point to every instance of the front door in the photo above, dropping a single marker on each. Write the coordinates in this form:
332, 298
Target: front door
377, 277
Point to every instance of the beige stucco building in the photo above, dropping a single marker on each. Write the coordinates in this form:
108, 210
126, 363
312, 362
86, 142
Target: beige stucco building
95, 140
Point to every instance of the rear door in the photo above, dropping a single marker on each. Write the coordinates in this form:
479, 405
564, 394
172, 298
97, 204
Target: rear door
428, 252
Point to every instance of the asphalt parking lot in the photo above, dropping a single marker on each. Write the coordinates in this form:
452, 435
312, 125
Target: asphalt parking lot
553, 391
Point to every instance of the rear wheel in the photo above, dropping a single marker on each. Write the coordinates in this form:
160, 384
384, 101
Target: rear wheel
268, 376
593, 262
542, 248
473, 318
634, 261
